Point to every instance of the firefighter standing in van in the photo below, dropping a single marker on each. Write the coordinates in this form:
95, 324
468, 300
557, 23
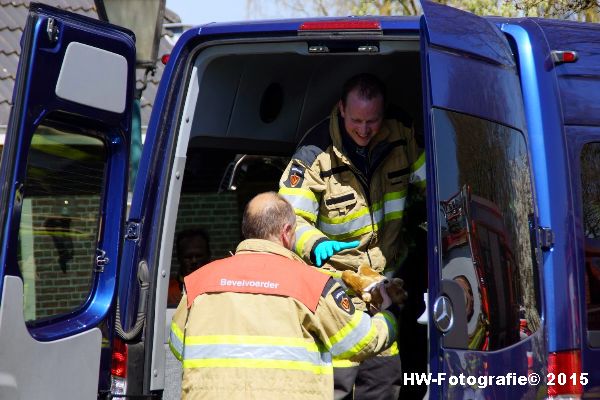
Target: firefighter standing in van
348, 183
262, 324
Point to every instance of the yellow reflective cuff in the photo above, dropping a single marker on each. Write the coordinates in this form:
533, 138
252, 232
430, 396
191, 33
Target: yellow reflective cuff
177, 331
393, 350
333, 274
306, 193
264, 364
419, 163
178, 334
419, 173
344, 363
175, 352
391, 321
393, 215
306, 215
305, 237
342, 333
361, 344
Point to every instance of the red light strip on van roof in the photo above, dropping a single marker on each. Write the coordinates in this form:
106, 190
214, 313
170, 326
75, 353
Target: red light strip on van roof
340, 25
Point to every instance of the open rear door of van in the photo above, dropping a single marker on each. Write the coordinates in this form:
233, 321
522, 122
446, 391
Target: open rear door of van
64, 188
484, 300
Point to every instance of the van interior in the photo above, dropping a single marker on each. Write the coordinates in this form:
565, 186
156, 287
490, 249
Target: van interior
252, 104
249, 105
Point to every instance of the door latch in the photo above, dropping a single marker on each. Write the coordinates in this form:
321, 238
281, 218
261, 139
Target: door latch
101, 260
52, 30
545, 238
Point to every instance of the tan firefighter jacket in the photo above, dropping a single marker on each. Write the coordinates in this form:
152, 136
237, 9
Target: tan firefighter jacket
264, 325
334, 200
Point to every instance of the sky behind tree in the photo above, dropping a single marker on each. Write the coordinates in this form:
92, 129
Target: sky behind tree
195, 12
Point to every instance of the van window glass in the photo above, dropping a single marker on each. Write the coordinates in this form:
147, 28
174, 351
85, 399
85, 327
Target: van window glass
590, 196
59, 221
485, 210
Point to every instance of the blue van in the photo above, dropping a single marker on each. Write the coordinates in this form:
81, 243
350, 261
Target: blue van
507, 255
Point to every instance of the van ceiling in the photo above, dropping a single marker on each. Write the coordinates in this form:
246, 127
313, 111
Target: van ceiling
278, 96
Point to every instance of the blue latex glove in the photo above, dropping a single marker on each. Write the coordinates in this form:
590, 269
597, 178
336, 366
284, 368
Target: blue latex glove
326, 249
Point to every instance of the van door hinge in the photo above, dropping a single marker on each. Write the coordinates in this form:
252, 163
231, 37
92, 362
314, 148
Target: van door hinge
132, 231
545, 238
101, 260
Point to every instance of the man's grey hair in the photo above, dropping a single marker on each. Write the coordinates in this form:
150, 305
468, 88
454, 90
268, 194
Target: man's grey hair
267, 222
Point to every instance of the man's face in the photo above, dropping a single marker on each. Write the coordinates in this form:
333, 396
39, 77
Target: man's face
194, 253
362, 117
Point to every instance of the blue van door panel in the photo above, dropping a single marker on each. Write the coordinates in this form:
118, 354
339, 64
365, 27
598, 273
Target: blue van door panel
552, 172
459, 32
67, 142
471, 65
584, 157
471, 89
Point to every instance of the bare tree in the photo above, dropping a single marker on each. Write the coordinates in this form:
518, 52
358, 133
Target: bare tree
590, 190
581, 10
315, 8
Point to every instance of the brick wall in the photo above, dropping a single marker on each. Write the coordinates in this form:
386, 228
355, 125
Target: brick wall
55, 291
218, 214
57, 286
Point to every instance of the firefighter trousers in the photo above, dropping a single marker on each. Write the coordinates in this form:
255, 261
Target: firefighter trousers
377, 378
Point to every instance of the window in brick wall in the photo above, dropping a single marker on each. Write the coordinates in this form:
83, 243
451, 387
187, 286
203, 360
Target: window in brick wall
59, 221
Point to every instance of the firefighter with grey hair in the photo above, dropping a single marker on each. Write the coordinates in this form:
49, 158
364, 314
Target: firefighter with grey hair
263, 324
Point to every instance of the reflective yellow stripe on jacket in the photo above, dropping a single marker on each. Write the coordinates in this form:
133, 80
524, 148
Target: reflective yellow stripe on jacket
364, 220
304, 202
343, 363
358, 333
305, 234
241, 351
418, 171
176, 341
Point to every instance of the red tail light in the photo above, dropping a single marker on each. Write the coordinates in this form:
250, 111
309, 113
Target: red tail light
119, 359
340, 25
564, 56
564, 374
165, 58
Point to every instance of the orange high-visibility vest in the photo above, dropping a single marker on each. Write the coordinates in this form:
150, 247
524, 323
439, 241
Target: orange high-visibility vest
259, 273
